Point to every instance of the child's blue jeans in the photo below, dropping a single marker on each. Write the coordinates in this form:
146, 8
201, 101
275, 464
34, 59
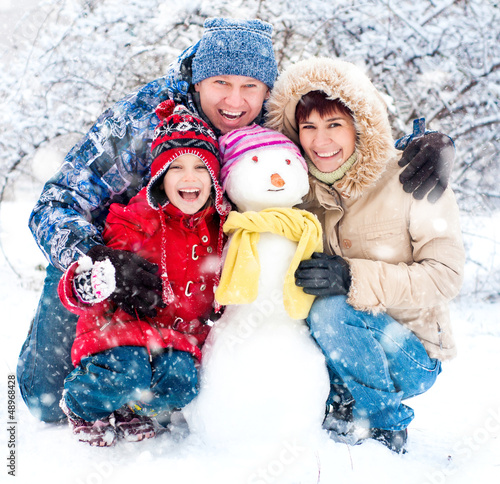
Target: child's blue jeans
106, 381
45, 358
378, 361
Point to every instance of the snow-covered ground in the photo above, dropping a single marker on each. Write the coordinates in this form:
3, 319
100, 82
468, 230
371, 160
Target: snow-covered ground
453, 439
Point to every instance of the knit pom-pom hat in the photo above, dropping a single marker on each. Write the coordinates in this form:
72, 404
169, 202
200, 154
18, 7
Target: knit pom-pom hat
235, 144
179, 133
236, 47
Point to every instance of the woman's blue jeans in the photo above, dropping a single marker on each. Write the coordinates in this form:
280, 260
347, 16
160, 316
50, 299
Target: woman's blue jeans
378, 361
106, 381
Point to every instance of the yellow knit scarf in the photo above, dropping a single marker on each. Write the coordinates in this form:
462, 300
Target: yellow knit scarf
240, 274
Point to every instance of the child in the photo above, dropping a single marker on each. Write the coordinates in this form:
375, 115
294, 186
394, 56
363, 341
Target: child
129, 368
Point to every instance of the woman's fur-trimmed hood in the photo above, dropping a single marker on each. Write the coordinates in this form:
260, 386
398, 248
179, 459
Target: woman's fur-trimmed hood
345, 81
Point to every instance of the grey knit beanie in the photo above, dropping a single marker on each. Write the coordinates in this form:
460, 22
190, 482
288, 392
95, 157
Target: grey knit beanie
236, 47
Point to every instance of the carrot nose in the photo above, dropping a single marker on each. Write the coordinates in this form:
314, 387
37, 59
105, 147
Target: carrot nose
276, 180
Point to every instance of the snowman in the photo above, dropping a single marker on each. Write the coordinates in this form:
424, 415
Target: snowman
263, 379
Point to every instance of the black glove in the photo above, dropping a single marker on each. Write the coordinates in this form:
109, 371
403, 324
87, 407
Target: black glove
138, 286
324, 275
430, 160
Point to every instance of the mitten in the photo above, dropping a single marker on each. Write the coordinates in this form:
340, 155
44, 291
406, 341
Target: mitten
138, 285
429, 162
94, 282
324, 275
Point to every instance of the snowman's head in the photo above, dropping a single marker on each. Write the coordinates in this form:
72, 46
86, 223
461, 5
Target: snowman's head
261, 168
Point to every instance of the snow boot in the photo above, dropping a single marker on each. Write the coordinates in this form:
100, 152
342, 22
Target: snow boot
131, 426
98, 434
395, 440
348, 433
338, 417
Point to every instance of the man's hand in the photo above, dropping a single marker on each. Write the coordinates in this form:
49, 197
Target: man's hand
138, 286
324, 275
429, 162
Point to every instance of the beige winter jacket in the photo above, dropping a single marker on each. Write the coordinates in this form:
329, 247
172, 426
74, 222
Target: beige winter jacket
406, 256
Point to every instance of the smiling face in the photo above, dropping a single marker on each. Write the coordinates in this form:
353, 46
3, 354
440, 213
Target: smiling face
231, 102
328, 140
187, 183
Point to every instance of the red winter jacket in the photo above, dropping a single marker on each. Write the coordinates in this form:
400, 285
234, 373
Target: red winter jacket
192, 259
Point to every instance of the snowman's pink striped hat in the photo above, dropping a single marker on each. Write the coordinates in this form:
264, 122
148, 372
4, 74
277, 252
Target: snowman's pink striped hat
239, 142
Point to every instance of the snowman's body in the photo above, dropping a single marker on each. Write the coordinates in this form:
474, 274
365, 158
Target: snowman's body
262, 376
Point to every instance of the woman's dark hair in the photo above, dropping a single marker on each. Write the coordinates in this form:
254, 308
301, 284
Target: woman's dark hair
318, 101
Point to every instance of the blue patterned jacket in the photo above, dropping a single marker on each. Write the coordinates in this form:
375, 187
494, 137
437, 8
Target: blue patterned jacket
110, 164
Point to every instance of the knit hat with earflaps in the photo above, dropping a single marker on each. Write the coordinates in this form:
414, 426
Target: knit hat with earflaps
180, 133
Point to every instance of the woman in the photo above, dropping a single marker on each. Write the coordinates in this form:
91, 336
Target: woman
391, 263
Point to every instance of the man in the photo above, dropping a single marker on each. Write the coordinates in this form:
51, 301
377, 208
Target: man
225, 78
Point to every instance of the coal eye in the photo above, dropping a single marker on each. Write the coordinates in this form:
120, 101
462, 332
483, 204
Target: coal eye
254, 158
288, 162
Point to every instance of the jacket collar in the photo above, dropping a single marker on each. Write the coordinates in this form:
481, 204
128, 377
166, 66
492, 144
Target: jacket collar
187, 220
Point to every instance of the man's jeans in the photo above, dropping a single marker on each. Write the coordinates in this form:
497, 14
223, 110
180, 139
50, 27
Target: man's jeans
106, 381
379, 361
45, 359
